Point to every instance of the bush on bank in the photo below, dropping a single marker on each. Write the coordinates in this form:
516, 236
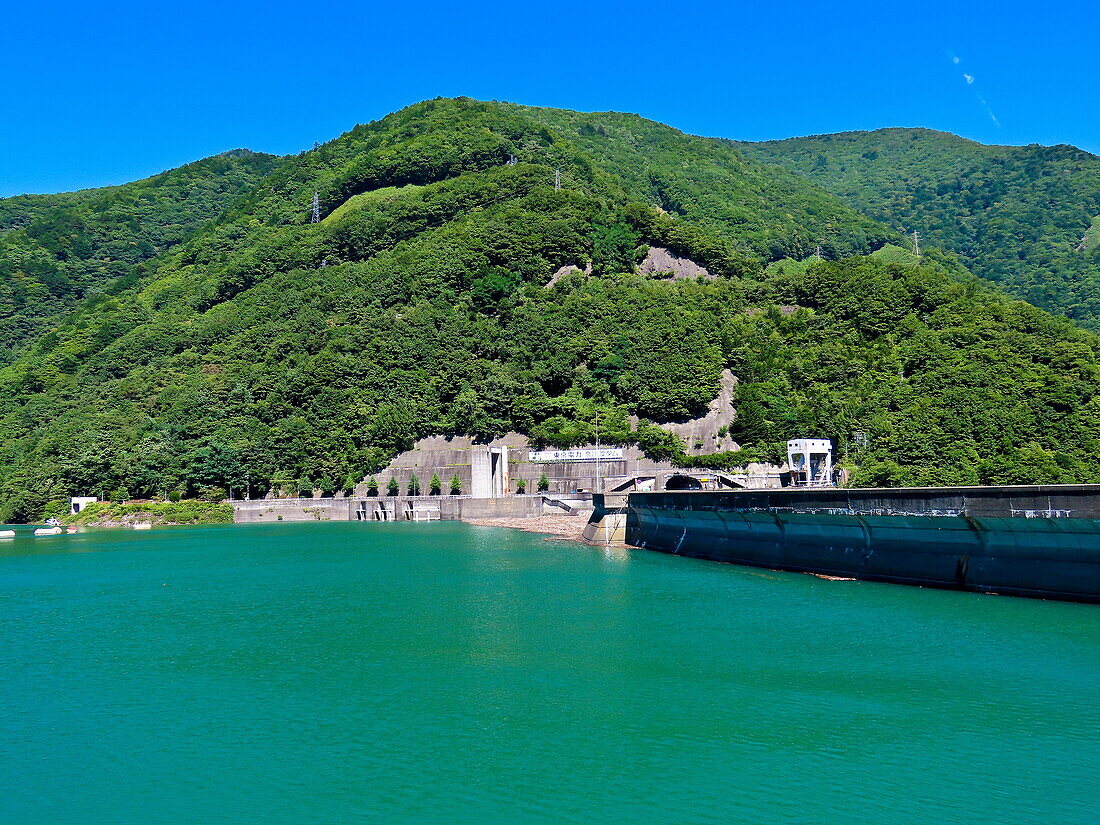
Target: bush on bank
157, 512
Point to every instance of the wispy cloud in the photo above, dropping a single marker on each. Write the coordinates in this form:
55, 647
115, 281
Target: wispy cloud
968, 79
989, 111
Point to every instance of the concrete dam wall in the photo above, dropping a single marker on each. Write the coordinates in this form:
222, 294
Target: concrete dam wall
389, 508
1039, 541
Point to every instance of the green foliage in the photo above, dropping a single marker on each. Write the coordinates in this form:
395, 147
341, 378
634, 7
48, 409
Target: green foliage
1023, 217
455, 486
710, 184
162, 512
521, 486
614, 246
238, 359
544, 483
212, 494
435, 486
57, 249
58, 509
372, 486
414, 485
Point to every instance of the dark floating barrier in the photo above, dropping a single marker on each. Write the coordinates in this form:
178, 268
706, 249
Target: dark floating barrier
1040, 541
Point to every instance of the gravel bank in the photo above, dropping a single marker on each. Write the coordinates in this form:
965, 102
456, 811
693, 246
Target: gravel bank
559, 527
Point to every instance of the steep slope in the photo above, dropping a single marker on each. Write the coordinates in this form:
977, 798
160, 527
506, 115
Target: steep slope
268, 348
1017, 215
54, 249
708, 182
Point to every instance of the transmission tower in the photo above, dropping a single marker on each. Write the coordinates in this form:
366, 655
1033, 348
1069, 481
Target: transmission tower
557, 180
916, 243
817, 252
316, 215
511, 160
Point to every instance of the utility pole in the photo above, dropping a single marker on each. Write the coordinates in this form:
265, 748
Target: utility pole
557, 180
316, 212
599, 485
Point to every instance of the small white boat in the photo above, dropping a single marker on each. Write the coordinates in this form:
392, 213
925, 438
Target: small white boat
71, 529
7, 534
48, 531
142, 525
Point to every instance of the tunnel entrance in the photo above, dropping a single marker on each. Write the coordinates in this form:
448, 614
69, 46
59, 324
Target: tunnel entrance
683, 483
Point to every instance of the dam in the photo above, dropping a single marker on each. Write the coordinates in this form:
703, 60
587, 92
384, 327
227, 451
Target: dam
1040, 541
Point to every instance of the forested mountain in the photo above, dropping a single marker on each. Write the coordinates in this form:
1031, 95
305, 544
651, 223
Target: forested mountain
708, 183
266, 348
1025, 217
55, 249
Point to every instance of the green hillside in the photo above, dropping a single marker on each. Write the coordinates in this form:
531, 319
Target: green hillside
1019, 216
707, 182
267, 350
56, 249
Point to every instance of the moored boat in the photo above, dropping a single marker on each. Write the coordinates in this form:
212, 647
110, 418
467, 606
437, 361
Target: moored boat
7, 534
48, 531
142, 525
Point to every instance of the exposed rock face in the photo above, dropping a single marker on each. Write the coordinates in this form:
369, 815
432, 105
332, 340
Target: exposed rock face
700, 435
660, 262
565, 270
448, 456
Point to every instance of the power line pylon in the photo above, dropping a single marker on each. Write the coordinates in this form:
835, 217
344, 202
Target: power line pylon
316, 211
916, 243
557, 180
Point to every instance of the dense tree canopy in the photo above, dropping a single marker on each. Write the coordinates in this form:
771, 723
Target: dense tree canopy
1025, 217
56, 249
267, 351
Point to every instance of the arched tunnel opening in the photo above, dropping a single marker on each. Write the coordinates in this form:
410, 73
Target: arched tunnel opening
683, 483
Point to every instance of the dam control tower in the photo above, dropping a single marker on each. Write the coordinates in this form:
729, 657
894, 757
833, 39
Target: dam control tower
811, 462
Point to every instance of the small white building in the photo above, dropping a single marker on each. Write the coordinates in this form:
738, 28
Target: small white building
78, 503
811, 462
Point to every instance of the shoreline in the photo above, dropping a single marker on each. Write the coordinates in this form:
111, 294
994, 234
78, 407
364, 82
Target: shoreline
555, 527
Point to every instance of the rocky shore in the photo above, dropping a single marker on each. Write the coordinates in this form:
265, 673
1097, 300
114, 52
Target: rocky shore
562, 527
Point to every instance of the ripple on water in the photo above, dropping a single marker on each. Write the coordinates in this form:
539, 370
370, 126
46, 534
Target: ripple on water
441, 673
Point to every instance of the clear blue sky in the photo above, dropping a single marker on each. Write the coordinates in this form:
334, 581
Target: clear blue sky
101, 93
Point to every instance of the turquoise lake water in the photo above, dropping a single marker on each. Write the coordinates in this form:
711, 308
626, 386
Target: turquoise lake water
440, 673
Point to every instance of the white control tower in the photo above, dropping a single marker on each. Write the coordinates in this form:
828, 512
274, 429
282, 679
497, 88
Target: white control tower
811, 462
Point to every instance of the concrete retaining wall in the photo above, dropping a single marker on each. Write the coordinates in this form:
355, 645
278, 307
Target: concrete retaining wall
397, 507
1029, 541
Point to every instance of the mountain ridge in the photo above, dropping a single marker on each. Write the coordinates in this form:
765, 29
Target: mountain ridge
1017, 216
263, 349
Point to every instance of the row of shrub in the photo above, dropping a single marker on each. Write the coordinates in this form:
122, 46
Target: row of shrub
189, 511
